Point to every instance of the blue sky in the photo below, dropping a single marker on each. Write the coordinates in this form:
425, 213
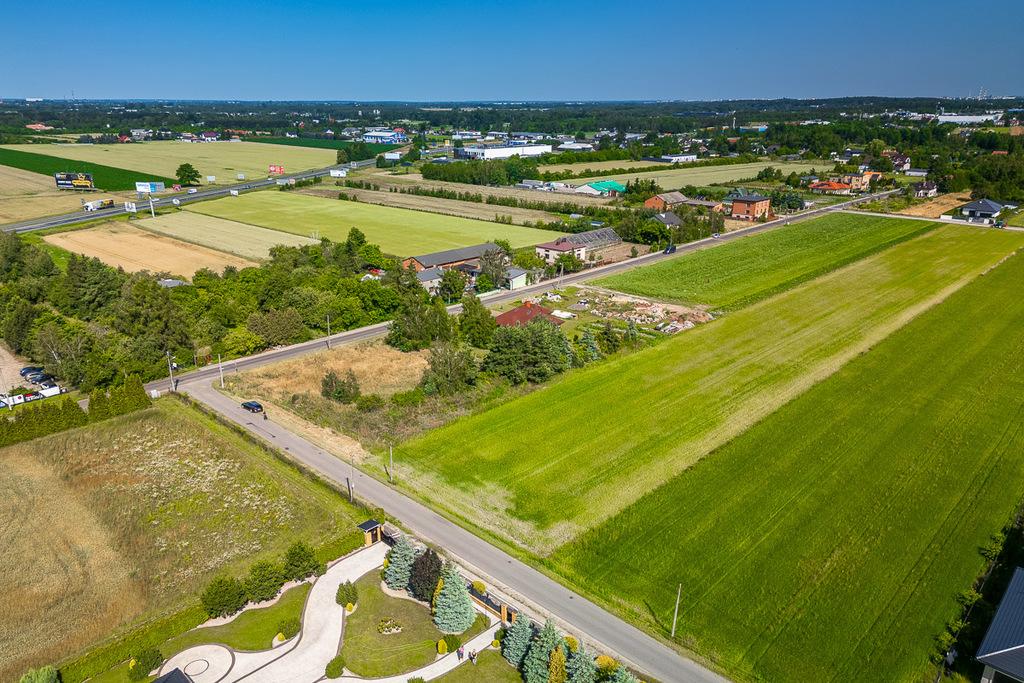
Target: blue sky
515, 50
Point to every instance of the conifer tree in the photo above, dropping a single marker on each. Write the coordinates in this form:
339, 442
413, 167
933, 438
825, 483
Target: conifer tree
400, 559
426, 570
581, 667
99, 406
135, 393
622, 675
538, 657
556, 666
517, 641
453, 608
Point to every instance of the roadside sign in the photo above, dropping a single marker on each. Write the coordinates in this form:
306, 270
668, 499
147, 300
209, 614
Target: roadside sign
276, 169
74, 181
130, 207
211, 178
149, 187
176, 187
240, 176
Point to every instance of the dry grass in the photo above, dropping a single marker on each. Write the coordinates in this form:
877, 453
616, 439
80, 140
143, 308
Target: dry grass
449, 207
938, 206
122, 245
405, 180
25, 195
242, 239
582, 166
130, 518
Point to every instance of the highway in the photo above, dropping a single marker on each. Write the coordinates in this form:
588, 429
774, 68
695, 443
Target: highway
533, 588
209, 192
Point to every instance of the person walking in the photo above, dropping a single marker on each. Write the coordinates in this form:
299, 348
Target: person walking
461, 651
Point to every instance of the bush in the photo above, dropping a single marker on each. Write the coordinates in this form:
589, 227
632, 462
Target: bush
347, 594
496, 644
606, 665
369, 403
44, 674
335, 667
572, 644
337, 389
224, 595
289, 627
479, 587
144, 662
264, 581
453, 642
442, 647
416, 679
300, 561
408, 399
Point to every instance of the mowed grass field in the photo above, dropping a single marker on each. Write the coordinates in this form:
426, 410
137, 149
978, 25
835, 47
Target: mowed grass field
601, 438
750, 269
829, 542
673, 178
241, 239
121, 245
161, 158
130, 518
400, 232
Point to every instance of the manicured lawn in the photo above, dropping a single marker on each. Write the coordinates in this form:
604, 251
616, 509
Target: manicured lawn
251, 630
401, 232
829, 542
373, 655
49, 159
543, 468
748, 270
490, 667
158, 160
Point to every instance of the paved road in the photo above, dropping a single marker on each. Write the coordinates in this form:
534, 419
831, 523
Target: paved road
214, 192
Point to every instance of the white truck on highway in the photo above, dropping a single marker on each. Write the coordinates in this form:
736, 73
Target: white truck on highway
98, 204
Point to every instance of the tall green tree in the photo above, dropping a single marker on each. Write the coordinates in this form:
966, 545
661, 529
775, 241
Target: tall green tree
517, 641
453, 609
426, 571
399, 569
538, 657
451, 369
187, 174
476, 323
453, 284
99, 405
556, 666
581, 667
300, 561
44, 674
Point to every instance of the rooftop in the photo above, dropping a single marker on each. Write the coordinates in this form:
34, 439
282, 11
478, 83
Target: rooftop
1003, 646
438, 258
523, 315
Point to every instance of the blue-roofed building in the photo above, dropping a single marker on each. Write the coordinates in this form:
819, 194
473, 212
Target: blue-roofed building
1002, 650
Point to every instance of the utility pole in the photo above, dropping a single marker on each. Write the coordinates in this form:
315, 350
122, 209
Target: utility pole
220, 368
328, 331
170, 369
675, 616
152, 212
391, 463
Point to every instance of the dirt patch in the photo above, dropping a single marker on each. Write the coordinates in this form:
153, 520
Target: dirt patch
122, 245
10, 364
938, 206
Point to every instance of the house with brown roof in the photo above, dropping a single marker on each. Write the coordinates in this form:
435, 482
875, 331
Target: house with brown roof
525, 314
829, 187
550, 251
448, 258
751, 207
665, 201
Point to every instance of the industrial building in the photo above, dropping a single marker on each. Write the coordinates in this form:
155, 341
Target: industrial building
501, 151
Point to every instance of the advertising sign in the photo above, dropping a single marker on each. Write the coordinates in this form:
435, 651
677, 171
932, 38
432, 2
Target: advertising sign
211, 178
176, 187
74, 181
240, 176
276, 169
338, 173
149, 188
130, 207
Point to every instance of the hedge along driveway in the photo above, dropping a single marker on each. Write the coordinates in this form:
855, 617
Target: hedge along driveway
104, 177
542, 468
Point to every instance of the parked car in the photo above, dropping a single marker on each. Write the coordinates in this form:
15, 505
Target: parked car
47, 384
28, 370
36, 377
253, 406
670, 249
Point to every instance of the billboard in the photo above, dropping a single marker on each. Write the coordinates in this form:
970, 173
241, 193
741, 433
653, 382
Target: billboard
276, 169
74, 181
149, 188
211, 178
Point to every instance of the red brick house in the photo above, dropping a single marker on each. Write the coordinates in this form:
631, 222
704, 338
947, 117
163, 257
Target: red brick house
665, 201
751, 207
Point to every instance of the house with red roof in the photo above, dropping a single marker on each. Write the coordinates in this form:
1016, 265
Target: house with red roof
525, 314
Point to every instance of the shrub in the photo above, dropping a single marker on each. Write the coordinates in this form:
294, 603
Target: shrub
496, 644
335, 667
606, 665
144, 662
416, 679
290, 627
224, 595
408, 399
426, 570
264, 581
453, 642
479, 587
442, 647
388, 626
571, 644
349, 607
300, 561
343, 390
347, 594
44, 674
369, 402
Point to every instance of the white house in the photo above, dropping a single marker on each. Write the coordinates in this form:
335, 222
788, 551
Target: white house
517, 277
550, 251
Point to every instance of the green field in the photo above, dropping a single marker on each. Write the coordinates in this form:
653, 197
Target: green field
543, 468
401, 232
829, 542
748, 270
376, 148
159, 160
673, 178
104, 177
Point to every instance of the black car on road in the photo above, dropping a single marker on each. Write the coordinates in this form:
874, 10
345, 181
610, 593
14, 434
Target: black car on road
253, 406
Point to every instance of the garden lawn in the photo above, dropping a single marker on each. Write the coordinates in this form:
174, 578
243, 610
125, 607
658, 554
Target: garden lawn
490, 667
253, 629
829, 542
401, 232
371, 654
753, 268
48, 159
543, 468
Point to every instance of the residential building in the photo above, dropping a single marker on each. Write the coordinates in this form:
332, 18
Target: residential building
668, 219
209, 135
517, 278
982, 208
448, 258
829, 187
38, 126
602, 188
751, 207
665, 201
501, 151
925, 189
858, 182
550, 251
430, 279
1002, 650
900, 163
523, 315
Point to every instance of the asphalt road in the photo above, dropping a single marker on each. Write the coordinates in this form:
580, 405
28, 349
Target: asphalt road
213, 192
534, 588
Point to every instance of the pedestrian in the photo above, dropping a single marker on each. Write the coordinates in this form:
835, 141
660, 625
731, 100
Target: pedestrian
461, 651
472, 656
264, 415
